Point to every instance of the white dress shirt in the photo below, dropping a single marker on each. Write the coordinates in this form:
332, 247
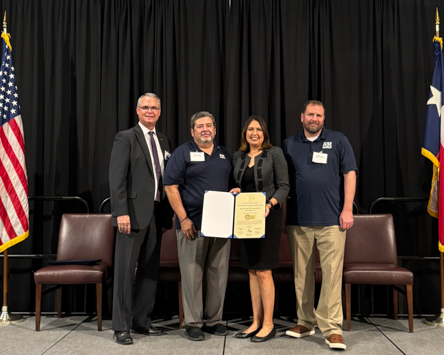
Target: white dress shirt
159, 153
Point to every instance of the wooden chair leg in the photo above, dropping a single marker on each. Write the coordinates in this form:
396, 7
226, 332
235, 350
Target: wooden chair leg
99, 287
38, 306
59, 301
410, 306
348, 305
180, 305
395, 303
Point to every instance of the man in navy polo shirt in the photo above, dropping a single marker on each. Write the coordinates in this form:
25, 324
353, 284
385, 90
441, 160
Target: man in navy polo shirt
322, 171
194, 167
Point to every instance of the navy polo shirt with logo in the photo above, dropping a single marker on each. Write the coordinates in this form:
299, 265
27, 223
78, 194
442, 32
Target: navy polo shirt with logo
317, 190
194, 177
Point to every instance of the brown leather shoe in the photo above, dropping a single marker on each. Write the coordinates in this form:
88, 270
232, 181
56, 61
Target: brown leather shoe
336, 341
300, 331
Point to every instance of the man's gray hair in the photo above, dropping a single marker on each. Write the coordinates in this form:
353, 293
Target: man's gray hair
201, 114
148, 94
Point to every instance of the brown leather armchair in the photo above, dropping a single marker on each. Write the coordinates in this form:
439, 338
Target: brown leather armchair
371, 258
81, 237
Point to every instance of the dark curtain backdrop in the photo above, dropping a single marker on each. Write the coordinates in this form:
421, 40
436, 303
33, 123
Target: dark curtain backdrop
81, 65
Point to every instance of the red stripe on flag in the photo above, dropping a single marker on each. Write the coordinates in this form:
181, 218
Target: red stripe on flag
18, 133
7, 223
13, 158
13, 197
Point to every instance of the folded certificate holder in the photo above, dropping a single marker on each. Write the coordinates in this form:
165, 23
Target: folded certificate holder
227, 216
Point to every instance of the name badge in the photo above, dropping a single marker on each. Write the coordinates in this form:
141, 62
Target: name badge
197, 156
320, 158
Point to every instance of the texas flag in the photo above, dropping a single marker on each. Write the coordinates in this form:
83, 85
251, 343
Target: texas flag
433, 145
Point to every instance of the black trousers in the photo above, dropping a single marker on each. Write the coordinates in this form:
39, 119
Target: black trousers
142, 249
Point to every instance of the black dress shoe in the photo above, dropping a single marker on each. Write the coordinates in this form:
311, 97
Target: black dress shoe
123, 338
218, 329
148, 331
243, 335
195, 333
269, 336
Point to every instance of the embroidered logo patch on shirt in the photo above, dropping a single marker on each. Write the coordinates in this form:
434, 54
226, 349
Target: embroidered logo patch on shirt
222, 156
327, 145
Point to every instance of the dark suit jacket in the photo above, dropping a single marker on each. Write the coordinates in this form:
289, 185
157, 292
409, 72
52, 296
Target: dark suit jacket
270, 172
131, 179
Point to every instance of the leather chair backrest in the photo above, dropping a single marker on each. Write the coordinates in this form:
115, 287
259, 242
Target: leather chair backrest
371, 240
86, 236
285, 259
168, 249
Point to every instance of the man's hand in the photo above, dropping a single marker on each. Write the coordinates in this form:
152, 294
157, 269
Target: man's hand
123, 224
188, 229
346, 219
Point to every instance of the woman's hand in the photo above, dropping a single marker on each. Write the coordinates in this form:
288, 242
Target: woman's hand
235, 191
267, 209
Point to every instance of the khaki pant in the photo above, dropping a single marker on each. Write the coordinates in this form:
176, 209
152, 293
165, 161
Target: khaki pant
209, 257
330, 241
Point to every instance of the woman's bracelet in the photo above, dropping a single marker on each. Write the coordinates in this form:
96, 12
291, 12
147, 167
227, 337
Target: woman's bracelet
183, 220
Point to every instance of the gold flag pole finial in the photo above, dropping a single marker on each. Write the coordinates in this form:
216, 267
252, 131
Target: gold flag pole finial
437, 38
5, 34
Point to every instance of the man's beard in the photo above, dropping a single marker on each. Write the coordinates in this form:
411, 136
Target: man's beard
205, 140
313, 130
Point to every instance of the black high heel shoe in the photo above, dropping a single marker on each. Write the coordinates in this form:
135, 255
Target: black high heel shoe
269, 336
242, 335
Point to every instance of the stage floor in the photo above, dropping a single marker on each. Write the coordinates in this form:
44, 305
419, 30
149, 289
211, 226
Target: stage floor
79, 335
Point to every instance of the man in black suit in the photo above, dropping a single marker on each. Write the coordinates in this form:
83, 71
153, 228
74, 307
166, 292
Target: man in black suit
140, 210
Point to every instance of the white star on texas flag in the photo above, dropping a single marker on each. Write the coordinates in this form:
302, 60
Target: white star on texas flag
435, 99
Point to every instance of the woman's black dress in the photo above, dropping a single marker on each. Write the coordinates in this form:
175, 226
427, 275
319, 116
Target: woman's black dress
261, 254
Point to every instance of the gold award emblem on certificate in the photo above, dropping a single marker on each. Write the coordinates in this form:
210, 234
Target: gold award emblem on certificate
249, 220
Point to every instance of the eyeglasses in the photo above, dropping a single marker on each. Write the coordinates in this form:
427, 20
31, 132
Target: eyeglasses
152, 108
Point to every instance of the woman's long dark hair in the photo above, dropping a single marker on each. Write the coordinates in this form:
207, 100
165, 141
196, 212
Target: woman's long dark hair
245, 147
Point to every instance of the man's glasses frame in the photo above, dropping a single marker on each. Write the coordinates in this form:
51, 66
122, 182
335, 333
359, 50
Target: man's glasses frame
152, 108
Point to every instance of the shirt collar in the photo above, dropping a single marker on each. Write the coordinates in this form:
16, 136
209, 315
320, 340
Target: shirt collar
322, 136
146, 130
196, 148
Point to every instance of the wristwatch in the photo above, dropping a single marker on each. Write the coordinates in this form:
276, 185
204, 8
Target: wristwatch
270, 204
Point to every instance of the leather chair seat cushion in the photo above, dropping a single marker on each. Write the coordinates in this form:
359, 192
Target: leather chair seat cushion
73, 274
381, 274
169, 273
283, 274
236, 273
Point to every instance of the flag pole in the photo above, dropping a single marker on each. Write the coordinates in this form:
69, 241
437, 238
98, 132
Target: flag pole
5, 316
439, 319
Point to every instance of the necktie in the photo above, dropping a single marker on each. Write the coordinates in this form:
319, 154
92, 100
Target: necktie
157, 166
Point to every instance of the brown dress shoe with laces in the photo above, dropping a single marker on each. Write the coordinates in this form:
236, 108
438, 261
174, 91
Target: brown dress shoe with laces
336, 341
300, 331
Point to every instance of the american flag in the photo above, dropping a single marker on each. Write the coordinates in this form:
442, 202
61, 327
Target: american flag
14, 226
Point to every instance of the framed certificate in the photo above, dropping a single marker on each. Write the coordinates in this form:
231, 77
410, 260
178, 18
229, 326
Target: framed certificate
227, 216
249, 216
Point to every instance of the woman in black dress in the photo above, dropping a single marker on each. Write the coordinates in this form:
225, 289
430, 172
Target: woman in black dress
261, 167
